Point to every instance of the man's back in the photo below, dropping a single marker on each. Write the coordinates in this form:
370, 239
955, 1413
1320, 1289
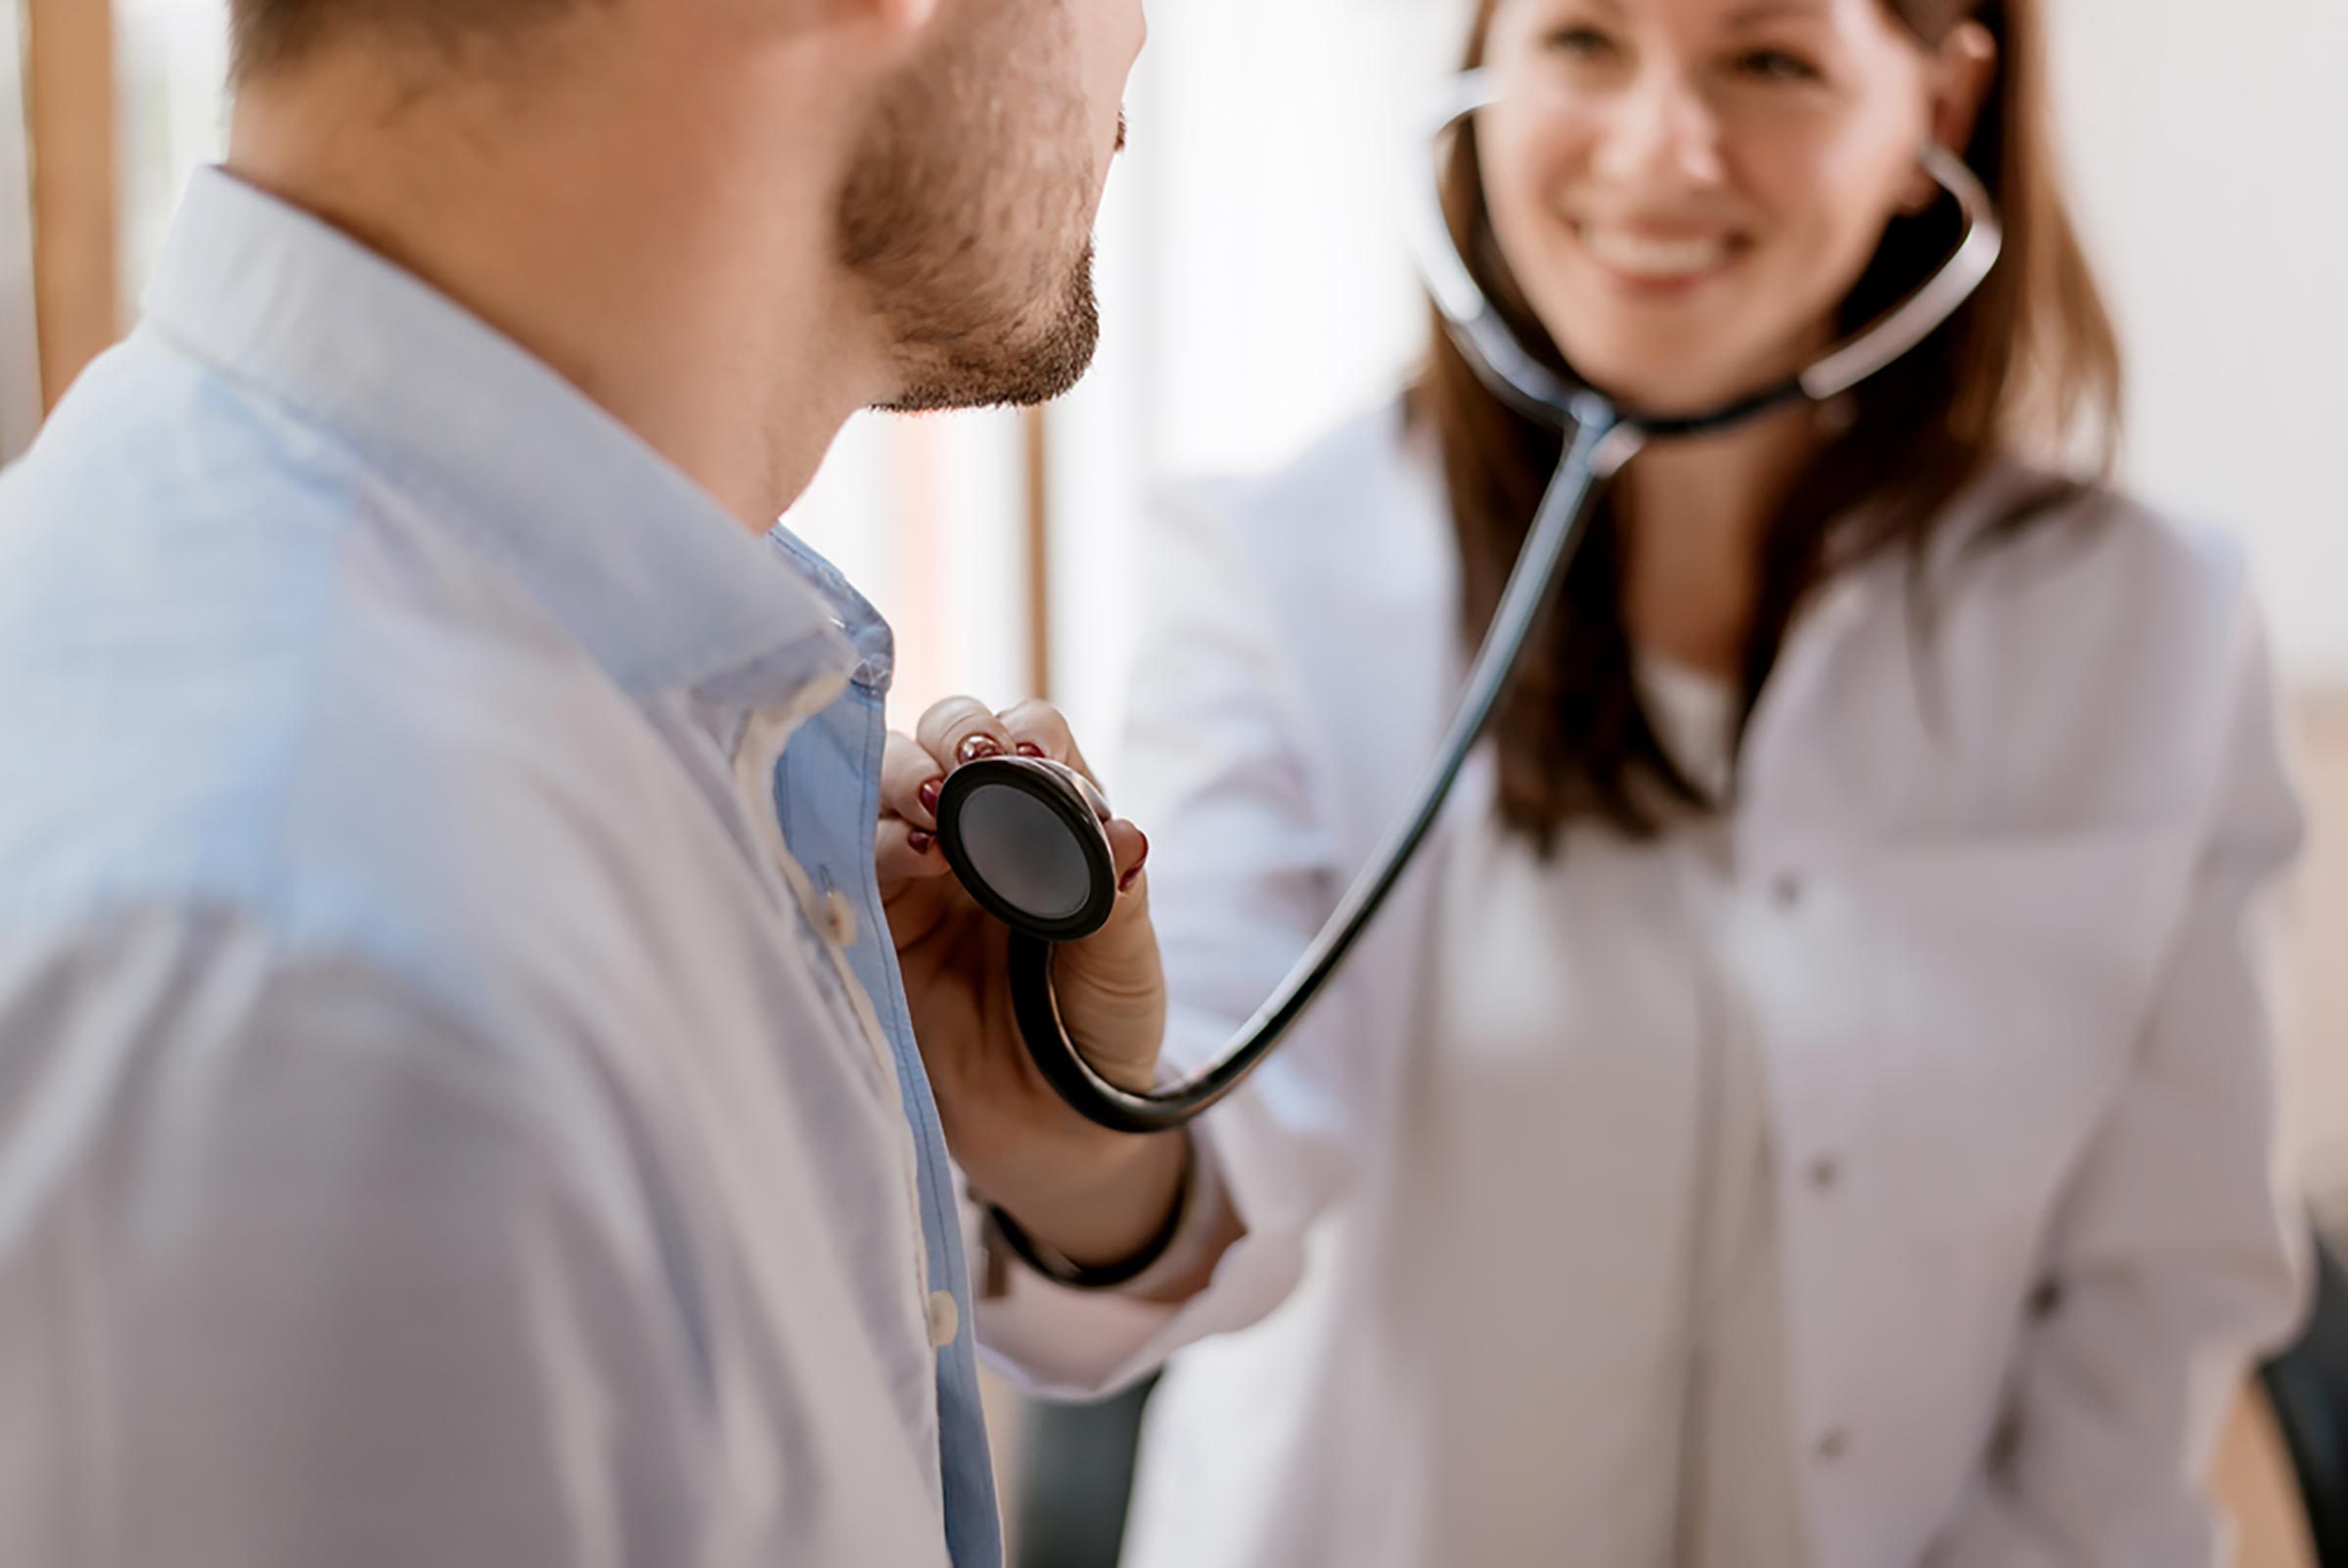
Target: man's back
430, 1100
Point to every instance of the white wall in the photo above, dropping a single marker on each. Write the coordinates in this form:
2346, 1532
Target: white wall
172, 59
20, 351
1255, 286
2209, 145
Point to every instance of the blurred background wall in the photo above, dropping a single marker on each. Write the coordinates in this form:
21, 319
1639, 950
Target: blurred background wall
1255, 291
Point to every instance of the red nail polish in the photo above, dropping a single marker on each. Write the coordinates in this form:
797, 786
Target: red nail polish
919, 842
930, 794
1125, 882
980, 746
1028, 748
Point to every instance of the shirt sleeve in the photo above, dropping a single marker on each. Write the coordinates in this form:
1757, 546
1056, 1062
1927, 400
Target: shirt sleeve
1219, 765
294, 1271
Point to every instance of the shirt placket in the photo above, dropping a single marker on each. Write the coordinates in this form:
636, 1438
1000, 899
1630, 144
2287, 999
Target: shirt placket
827, 805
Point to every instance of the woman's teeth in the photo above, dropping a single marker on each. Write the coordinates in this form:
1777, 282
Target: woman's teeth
1642, 256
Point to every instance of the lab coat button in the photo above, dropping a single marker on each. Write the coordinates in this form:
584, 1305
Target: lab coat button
839, 918
1834, 1445
1786, 891
1826, 1173
945, 1319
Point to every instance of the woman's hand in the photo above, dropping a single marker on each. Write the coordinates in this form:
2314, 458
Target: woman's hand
1095, 1195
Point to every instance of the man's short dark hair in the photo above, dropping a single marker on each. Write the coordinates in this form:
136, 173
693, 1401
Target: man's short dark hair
267, 34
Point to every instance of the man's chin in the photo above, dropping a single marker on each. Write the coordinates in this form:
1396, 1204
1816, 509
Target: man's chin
1020, 371
973, 388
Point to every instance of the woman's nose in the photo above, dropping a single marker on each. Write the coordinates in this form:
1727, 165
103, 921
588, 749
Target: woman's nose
1659, 133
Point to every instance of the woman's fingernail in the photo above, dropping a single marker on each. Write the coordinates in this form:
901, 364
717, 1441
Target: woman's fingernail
929, 793
1028, 748
978, 747
1125, 884
919, 842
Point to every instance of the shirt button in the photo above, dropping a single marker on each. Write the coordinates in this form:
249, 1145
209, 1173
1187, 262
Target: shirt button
1826, 1173
945, 1319
1786, 891
1834, 1445
839, 918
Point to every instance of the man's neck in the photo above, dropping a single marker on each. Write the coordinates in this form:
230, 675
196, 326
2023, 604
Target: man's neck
696, 304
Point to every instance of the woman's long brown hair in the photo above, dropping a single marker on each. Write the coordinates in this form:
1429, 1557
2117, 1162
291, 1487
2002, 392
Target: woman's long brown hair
2032, 355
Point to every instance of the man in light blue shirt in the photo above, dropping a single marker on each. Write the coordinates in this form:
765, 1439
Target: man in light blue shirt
455, 1101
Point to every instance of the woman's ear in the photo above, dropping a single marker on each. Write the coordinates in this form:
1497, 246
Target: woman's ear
1963, 71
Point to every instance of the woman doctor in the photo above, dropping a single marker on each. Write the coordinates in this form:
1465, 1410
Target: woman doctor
1813, 1103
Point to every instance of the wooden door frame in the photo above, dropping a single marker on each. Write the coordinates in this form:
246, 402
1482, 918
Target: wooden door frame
1035, 465
70, 107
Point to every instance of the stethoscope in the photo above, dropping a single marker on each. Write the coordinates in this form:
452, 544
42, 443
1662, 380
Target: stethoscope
1025, 835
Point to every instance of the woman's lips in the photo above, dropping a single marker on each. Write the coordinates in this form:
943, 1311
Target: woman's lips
1650, 261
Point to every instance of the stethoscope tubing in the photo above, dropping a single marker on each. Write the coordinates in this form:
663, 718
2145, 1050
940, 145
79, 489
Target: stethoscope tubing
1598, 450
1600, 439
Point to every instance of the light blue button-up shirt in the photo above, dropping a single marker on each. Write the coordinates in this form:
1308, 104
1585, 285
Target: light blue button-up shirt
456, 1100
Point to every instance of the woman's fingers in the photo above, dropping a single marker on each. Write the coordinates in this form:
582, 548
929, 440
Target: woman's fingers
1129, 848
910, 779
903, 853
960, 730
1040, 730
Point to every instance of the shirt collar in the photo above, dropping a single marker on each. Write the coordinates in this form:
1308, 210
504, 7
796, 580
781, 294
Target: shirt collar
663, 587
852, 614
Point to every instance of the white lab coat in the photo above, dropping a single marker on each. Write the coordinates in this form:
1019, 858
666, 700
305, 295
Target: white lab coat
2011, 927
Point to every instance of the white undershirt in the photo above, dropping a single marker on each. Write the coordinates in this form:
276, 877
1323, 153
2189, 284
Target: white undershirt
1586, 1153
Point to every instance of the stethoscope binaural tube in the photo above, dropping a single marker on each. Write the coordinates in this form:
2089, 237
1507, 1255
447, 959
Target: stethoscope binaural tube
1027, 839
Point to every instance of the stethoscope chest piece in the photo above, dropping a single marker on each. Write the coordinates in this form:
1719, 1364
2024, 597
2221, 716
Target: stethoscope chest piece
1024, 835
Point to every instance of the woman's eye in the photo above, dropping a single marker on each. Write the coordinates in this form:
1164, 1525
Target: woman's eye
1776, 65
1581, 43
